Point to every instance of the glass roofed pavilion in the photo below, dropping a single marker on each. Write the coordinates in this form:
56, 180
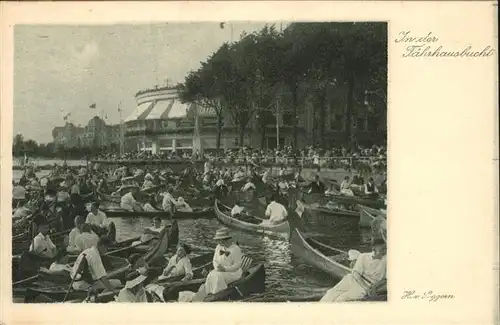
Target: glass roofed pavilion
161, 122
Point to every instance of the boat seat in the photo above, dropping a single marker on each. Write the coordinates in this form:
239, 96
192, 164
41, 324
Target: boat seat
246, 263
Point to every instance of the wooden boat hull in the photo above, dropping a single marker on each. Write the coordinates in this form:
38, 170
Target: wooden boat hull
279, 230
315, 254
56, 291
315, 210
367, 214
253, 282
201, 213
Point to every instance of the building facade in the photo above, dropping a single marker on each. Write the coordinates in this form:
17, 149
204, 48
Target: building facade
161, 122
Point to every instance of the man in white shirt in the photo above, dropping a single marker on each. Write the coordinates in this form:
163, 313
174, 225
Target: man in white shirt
89, 272
276, 212
86, 239
168, 202
368, 275
128, 201
96, 217
42, 245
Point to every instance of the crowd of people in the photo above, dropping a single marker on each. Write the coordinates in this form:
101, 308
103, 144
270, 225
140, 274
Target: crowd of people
309, 156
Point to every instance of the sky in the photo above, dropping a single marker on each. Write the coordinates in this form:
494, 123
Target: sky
63, 69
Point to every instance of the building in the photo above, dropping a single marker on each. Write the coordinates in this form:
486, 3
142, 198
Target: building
161, 122
96, 134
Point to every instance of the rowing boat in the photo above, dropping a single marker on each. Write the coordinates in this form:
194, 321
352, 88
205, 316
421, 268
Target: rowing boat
256, 226
56, 291
324, 210
196, 213
328, 259
367, 215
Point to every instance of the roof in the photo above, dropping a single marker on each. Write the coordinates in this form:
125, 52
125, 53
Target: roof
168, 108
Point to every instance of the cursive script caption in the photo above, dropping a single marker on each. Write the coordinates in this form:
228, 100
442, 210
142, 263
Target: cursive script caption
428, 45
427, 295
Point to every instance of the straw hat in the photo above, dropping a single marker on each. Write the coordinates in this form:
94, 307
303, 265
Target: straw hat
19, 193
180, 199
353, 254
222, 233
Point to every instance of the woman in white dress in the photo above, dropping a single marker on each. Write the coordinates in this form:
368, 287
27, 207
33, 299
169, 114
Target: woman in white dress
345, 187
179, 265
227, 263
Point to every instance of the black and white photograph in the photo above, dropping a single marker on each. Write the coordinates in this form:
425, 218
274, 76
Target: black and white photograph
200, 161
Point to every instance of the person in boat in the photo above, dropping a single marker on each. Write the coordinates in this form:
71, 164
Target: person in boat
240, 175
317, 186
139, 176
20, 203
134, 289
227, 263
149, 206
63, 194
220, 189
86, 239
129, 202
368, 275
96, 218
152, 232
42, 245
179, 265
148, 182
102, 186
89, 272
182, 205
345, 187
276, 212
283, 186
18, 195
370, 188
75, 232
23, 181
168, 203
266, 177
249, 185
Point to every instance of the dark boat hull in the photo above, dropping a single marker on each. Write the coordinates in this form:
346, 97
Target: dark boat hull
203, 213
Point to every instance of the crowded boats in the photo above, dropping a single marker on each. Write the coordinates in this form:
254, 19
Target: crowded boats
65, 246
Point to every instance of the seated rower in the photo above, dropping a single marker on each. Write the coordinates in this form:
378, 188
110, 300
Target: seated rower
168, 202
283, 186
317, 186
370, 188
42, 245
148, 182
97, 218
151, 232
182, 205
345, 187
227, 263
179, 265
368, 274
89, 272
276, 212
248, 186
86, 239
75, 232
128, 201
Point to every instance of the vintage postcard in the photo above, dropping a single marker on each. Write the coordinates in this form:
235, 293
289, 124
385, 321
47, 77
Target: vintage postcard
297, 162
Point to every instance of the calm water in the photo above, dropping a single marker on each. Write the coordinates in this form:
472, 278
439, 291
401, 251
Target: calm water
285, 274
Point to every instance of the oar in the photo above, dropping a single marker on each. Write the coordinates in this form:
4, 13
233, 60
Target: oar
73, 280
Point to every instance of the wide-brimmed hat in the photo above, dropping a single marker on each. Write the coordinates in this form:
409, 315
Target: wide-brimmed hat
19, 193
222, 233
180, 199
82, 172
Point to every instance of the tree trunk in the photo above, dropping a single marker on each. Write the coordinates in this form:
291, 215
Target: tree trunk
219, 134
242, 135
263, 135
314, 126
294, 112
350, 115
322, 117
